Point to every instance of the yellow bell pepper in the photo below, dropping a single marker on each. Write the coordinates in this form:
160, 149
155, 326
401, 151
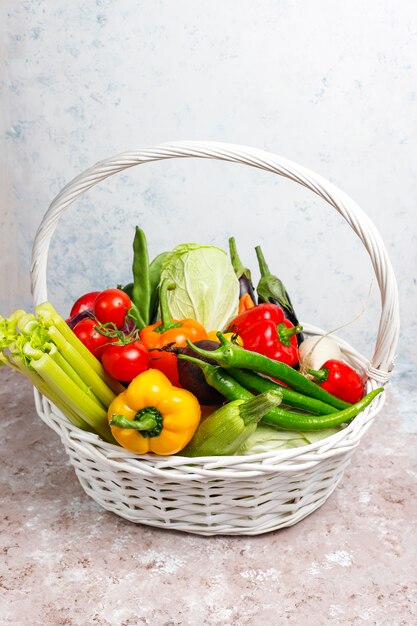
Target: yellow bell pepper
154, 416
233, 337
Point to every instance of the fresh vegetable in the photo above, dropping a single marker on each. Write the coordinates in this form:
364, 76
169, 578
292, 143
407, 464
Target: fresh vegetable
207, 288
278, 417
73, 321
265, 330
217, 377
169, 332
192, 378
234, 337
269, 439
256, 383
153, 416
124, 360
46, 350
316, 350
228, 355
112, 306
245, 303
161, 320
298, 421
141, 291
247, 298
224, 431
86, 331
92, 381
84, 303
51, 320
271, 289
339, 379
155, 269
128, 289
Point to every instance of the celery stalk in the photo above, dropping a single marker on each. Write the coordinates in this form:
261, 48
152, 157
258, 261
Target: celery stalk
66, 367
49, 317
6, 360
29, 352
8, 330
85, 371
90, 411
46, 391
26, 322
59, 372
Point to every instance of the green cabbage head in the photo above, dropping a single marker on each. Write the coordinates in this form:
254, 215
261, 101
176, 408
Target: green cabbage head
207, 288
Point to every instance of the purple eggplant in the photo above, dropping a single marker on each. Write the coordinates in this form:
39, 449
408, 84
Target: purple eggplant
243, 273
192, 377
271, 289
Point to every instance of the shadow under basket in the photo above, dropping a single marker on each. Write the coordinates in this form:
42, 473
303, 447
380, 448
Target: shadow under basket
232, 495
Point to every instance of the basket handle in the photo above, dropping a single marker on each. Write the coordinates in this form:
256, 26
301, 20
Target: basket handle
382, 362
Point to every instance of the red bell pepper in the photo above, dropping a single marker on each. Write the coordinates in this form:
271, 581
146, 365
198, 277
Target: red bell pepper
339, 379
264, 329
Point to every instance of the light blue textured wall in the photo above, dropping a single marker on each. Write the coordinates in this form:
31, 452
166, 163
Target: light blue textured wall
331, 85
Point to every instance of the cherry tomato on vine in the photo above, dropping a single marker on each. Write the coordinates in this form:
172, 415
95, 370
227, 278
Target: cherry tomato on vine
125, 361
112, 305
84, 303
90, 337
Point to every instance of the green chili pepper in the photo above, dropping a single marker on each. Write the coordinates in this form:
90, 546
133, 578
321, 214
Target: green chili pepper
278, 417
229, 355
298, 421
141, 291
255, 382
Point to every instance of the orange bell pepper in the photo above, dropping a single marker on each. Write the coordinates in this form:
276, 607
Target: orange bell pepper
169, 332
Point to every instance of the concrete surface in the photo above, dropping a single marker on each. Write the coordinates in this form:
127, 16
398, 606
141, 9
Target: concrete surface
67, 562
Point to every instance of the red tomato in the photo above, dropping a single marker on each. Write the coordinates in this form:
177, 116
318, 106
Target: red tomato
84, 303
111, 305
92, 339
125, 361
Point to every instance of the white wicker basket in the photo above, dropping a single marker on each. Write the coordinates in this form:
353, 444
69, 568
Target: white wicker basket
245, 495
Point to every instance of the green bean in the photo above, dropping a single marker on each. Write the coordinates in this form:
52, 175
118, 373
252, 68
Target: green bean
141, 292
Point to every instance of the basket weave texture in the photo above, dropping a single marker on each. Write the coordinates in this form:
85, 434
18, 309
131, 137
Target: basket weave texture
239, 495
